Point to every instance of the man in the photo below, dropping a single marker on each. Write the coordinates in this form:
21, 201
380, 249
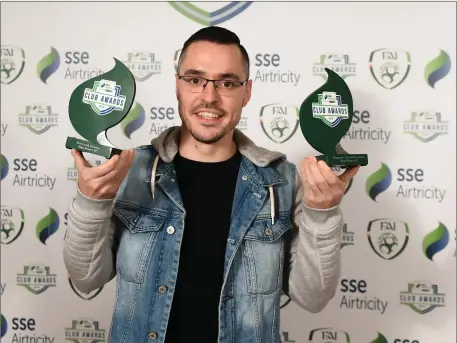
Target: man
203, 229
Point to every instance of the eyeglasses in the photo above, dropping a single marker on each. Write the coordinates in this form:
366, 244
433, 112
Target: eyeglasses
196, 84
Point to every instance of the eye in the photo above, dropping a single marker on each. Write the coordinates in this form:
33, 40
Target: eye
228, 84
194, 80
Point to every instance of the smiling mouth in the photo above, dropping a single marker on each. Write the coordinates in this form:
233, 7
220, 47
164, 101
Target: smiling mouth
208, 115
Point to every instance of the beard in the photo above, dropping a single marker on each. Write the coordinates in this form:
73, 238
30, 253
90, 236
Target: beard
202, 137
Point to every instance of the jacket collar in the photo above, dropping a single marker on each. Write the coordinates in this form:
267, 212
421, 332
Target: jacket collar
256, 160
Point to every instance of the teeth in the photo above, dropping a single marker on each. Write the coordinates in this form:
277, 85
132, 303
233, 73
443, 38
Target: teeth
208, 115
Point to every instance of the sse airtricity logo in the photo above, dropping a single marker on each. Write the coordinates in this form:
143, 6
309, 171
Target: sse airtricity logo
133, 121
48, 65
47, 226
3, 326
378, 182
390, 67
435, 241
215, 17
380, 338
12, 63
437, 68
4, 166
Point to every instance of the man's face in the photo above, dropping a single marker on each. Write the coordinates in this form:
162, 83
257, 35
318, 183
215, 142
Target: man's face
209, 113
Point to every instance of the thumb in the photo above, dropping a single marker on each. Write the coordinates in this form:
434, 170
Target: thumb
80, 161
348, 174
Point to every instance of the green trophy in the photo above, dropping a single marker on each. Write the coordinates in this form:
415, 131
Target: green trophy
325, 117
97, 105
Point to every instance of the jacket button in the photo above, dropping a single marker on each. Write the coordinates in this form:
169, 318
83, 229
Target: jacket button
152, 335
268, 232
170, 230
162, 289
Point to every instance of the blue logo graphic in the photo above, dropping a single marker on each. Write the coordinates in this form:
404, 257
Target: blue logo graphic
48, 65
437, 68
378, 182
206, 18
435, 241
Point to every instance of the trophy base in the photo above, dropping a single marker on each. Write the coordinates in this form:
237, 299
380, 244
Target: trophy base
92, 148
344, 160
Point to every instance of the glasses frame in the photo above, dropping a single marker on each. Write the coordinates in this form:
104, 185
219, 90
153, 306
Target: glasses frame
241, 83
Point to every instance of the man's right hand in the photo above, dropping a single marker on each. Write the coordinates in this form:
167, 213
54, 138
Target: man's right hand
103, 181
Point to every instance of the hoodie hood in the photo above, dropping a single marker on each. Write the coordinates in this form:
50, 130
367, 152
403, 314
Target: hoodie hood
167, 144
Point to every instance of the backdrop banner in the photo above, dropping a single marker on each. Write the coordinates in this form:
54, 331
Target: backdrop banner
398, 281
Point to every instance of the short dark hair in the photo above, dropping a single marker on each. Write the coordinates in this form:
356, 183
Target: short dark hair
218, 35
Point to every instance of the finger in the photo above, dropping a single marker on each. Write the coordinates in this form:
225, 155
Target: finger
104, 168
319, 179
348, 174
332, 179
80, 161
309, 179
121, 168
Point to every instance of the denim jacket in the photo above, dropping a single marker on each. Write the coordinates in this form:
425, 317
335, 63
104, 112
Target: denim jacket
275, 245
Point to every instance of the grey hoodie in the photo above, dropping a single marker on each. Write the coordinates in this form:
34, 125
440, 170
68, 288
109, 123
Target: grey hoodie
315, 250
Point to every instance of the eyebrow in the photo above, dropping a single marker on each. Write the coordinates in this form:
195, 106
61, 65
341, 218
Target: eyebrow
220, 76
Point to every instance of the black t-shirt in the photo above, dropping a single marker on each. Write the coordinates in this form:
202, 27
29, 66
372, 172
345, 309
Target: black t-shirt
207, 191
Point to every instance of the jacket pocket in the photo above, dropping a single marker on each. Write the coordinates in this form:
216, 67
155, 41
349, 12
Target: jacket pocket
138, 235
263, 254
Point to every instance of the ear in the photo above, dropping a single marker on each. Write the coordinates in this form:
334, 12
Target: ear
247, 94
176, 85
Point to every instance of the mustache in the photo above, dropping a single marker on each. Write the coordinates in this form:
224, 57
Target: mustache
207, 106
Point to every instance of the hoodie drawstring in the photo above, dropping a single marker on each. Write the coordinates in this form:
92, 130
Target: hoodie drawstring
153, 175
272, 205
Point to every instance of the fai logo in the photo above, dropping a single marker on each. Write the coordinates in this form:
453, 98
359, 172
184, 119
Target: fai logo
12, 63
104, 97
425, 125
36, 278
284, 300
85, 296
328, 335
422, 297
38, 118
210, 18
390, 67
388, 237
143, 65
330, 109
12, 224
339, 63
279, 121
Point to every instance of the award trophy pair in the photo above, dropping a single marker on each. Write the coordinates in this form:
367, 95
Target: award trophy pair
102, 102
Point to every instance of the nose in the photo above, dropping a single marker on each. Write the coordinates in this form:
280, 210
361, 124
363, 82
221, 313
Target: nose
209, 93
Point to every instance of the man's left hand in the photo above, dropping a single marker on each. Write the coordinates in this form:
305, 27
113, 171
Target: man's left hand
322, 187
